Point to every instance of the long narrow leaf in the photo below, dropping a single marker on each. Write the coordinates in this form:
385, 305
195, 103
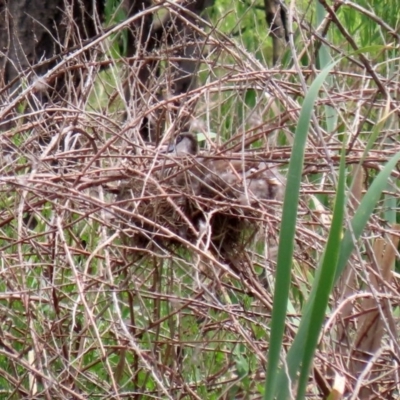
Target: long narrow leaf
323, 283
287, 233
364, 211
358, 223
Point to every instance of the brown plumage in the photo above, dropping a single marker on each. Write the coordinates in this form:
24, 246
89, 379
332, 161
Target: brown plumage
247, 182
189, 186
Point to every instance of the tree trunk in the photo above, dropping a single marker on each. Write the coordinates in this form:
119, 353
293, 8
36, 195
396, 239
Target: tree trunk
35, 33
276, 17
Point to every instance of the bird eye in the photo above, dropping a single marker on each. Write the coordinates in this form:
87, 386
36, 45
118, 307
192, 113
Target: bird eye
179, 139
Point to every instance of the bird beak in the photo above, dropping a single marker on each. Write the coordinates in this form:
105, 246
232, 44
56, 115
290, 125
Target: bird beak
168, 148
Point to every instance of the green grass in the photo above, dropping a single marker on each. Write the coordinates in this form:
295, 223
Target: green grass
84, 315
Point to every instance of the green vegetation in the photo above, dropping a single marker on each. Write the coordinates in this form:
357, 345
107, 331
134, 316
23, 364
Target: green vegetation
101, 301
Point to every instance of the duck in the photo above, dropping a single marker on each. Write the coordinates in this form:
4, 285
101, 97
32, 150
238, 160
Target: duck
248, 182
193, 187
233, 193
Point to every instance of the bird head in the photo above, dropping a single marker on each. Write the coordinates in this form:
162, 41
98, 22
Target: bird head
184, 144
